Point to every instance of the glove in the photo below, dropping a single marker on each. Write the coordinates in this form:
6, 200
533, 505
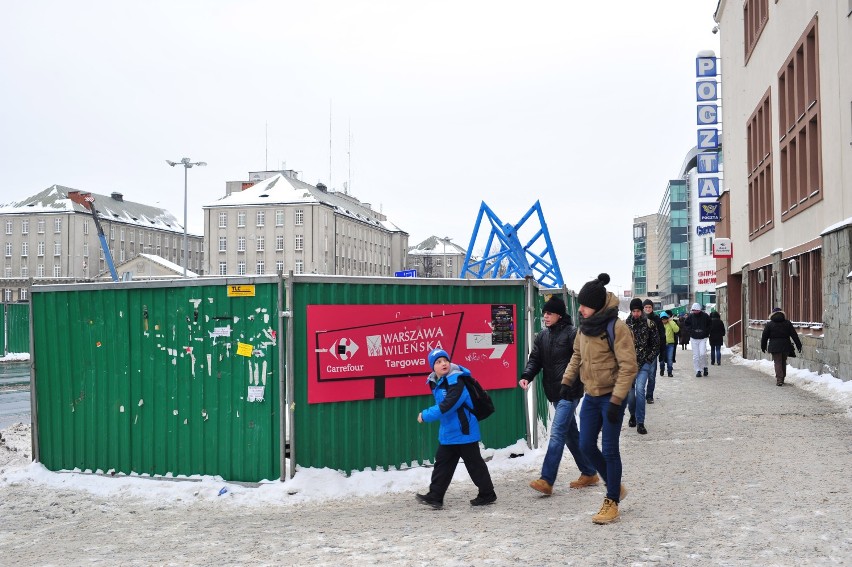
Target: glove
763, 350
800, 350
564, 392
613, 413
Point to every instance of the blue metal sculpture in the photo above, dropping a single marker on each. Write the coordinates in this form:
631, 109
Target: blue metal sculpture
505, 257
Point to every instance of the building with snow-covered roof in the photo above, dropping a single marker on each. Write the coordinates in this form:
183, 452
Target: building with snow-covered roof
51, 237
148, 267
436, 257
276, 223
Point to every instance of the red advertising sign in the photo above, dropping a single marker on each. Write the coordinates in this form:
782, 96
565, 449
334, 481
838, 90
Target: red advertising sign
365, 352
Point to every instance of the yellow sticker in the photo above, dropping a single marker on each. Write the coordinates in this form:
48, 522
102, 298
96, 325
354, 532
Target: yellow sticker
240, 291
244, 349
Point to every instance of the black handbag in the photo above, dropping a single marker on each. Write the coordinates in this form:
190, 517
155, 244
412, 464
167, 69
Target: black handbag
792, 353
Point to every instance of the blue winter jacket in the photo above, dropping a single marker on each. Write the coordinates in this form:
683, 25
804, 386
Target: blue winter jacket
452, 408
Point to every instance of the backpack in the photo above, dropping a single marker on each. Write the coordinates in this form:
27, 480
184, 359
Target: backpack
483, 406
610, 333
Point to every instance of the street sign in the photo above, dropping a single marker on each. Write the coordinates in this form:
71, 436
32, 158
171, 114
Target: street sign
240, 291
406, 274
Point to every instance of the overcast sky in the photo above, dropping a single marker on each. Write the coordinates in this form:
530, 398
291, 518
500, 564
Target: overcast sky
588, 107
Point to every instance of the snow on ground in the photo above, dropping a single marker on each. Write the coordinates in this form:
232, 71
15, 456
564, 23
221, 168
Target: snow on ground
15, 357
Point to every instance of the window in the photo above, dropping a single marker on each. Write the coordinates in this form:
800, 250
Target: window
131, 236
86, 227
261, 243
279, 242
241, 219
57, 225
41, 248
760, 292
223, 268
300, 242
8, 271
800, 159
223, 244
241, 268
680, 251
41, 226
755, 15
279, 218
7, 293
8, 227
300, 267
259, 267
449, 262
241, 244
802, 292
57, 249
25, 248
223, 220
40, 271
300, 217
759, 160
121, 234
8, 249
57, 271
25, 226
85, 250
279, 266
25, 271
261, 218
112, 233
24, 294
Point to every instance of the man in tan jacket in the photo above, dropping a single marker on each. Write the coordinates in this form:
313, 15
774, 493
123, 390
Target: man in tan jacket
605, 359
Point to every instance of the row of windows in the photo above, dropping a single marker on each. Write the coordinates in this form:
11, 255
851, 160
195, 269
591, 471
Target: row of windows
260, 243
260, 218
40, 271
8, 296
260, 267
25, 226
434, 262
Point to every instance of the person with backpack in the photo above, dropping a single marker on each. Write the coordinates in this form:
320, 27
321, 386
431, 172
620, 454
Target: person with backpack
458, 432
646, 340
551, 351
604, 361
670, 345
648, 308
698, 326
717, 336
776, 337
683, 335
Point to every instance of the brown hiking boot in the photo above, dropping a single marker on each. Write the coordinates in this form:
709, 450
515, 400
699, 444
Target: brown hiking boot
584, 480
542, 486
608, 513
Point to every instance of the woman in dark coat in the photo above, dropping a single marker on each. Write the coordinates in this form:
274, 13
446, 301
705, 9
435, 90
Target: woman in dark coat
717, 334
776, 339
683, 335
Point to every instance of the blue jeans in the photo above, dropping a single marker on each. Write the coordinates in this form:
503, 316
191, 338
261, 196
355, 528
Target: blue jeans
716, 354
670, 350
607, 460
637, 395
564, 433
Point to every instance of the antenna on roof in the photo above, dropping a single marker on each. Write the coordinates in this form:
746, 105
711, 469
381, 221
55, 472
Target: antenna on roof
329, 143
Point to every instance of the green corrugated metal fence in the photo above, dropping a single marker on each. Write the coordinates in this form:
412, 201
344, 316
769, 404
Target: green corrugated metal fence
149, 378
385, 432
15, 328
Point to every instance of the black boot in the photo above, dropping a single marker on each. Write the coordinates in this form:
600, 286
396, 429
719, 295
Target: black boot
429, 500
484, 499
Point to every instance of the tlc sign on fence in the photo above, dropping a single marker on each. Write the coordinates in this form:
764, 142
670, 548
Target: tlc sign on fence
366, 352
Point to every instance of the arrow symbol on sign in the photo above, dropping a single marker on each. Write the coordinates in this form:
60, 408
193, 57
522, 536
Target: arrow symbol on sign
483, 341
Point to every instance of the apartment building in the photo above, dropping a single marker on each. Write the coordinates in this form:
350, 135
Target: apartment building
645, 254
51, 237
436, 257
787, 204
276, 223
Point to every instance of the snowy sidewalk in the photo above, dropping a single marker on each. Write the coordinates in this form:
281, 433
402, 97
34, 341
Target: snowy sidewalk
734, 470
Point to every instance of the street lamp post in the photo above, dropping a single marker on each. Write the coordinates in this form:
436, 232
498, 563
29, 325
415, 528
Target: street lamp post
186, 163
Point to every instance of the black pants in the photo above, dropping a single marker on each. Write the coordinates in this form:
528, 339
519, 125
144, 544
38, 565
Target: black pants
780, 360
447, 458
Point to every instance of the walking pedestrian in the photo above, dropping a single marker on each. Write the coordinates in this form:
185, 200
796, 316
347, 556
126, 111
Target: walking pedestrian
646, 341
648, 307
716, 336
551, 351
698, 325
776, 337
672, 330
458, 433
683, 335
607, 374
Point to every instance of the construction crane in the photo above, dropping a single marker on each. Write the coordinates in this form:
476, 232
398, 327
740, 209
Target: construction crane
89, 203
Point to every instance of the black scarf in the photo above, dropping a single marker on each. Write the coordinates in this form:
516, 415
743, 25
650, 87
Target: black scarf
595, 325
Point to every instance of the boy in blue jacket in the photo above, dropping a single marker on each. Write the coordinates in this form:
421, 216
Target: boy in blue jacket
458, 433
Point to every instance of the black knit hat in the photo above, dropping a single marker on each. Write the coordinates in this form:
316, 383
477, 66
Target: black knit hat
647, 302
636, 303
556, 306
593, 293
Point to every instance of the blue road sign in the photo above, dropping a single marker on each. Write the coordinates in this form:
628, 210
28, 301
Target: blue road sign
406, 274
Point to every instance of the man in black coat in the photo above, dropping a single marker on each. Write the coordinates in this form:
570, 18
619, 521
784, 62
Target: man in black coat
552, 350
648, 308
698, 325
776, 338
